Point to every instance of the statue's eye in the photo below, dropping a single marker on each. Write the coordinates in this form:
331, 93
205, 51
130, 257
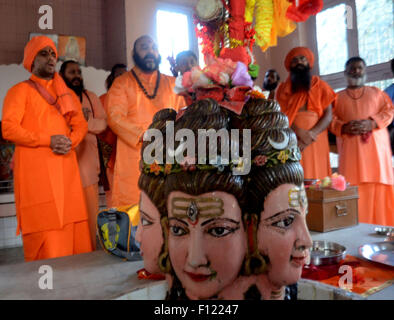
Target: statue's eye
220, 231
145, 222
177, 231
285, 222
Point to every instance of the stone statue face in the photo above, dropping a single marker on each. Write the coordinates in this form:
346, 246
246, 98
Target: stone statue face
283, 235
206, 241
149, 234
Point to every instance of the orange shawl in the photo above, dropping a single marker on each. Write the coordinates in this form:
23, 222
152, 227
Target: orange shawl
33, 47
317, 99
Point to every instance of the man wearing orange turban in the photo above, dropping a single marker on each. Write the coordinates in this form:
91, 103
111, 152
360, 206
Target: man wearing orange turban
307, 102
45, 121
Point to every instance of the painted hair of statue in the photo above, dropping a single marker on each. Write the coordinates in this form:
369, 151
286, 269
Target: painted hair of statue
153, 204
277, 202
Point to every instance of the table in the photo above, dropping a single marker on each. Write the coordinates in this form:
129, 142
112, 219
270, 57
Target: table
352, 238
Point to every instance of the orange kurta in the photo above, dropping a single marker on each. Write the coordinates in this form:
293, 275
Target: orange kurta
87, 152
109, 137
316, 157
48, 188
130, 113
367, 164
88, 158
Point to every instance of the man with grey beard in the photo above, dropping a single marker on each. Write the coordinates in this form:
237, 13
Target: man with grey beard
361, 116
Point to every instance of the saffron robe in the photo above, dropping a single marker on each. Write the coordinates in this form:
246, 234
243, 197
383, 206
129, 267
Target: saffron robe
109, 137
316, 157
367, 164
88, 158
48, 189
130, 113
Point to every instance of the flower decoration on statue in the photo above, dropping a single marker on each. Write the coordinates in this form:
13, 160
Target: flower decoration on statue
223, 80
189, 165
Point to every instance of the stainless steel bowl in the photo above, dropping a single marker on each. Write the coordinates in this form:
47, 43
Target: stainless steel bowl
382, 252
383, 231
326, 253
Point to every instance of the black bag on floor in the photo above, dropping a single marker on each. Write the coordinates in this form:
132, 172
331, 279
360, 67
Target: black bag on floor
116, 229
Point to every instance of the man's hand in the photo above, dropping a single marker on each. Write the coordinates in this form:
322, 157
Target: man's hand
306, 137
60, 144
367, 126
86, 113
301, 145
359, 127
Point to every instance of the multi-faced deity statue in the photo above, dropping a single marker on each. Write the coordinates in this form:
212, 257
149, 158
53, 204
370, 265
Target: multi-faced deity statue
223, 235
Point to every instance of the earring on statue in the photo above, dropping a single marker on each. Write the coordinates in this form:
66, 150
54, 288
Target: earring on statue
164, 258
254, 261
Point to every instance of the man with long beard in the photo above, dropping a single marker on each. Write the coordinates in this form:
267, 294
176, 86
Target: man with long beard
44, 119
87, 152
361, 116
132, 101
307, 102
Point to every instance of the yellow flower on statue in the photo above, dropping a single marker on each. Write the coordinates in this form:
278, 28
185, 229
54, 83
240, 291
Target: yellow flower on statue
283, 156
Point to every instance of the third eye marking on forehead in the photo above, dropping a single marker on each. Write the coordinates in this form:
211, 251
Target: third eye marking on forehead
206, 207
297, 197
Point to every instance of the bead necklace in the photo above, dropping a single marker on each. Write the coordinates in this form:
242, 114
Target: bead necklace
151, 97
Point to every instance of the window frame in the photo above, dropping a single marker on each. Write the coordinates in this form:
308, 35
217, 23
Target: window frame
376, 72
186, 10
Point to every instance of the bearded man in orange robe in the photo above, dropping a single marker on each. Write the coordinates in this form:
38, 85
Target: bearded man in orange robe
361, 116
132, 101
88, 154
307, 102
45, 121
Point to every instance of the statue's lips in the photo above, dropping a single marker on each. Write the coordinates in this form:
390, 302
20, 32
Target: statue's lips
298, 261
198, 277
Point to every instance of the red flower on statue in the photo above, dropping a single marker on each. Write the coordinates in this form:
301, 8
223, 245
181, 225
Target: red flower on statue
304, 10
260, 160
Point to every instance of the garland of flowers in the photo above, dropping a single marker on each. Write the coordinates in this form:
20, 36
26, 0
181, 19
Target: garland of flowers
250, 32
249, 11
206, 36
270, 160
264, 22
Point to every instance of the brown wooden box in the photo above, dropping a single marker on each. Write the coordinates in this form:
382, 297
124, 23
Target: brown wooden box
331, 209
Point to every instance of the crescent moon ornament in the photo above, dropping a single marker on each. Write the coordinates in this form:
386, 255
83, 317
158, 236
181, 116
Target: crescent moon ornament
280, 145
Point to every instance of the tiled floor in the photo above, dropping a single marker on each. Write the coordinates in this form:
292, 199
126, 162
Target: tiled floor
15, 255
